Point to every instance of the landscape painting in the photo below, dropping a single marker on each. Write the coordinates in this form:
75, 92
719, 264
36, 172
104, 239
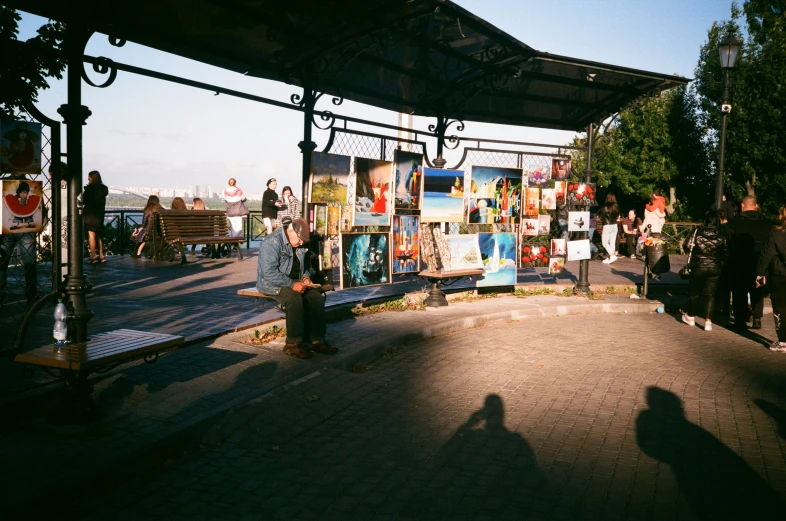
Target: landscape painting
329, 178
365, 259
406, 244
443, 196
495, 195
498, 251
409, 174
373, 199
464, 252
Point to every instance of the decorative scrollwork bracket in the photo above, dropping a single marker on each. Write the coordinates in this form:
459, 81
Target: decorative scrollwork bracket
309, 100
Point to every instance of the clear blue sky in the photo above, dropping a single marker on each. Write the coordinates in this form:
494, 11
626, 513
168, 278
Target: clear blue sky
145, 132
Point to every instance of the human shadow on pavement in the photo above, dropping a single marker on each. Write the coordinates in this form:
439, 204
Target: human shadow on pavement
777, 414
715, 481
482, 469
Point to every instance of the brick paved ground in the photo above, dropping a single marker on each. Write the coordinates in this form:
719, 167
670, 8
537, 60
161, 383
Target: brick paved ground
611, 416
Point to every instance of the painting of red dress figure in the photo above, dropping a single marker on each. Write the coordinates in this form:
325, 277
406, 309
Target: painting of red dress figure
495, 195
406, 246
409, 177
20, 148
581, 194
373, 199
20, 210
560, 168
534, 255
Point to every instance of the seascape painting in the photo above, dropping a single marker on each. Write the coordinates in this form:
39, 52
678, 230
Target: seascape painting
409, 174
329, 178
498, 251
495, 195
443, 196
464, 252
373, 198
406, 244
365, 259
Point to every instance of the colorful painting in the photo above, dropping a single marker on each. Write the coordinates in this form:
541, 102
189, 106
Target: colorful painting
333, 219
548, 199
560, 168
345, 224
556, 265
320, 219
495, 195
409, 174
21, 208
365, 259
329, 178
406, 244
579, 250
373, 197
443, 196
544, 224
529, 227
581, 194
498, 251
534, 256
578, 221
560, 187
539, 175
559, 247
464, 252
20, 148
532, 201
326, 257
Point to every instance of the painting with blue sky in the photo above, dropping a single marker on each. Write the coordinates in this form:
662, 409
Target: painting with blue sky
495, 195
498, 251
443, 196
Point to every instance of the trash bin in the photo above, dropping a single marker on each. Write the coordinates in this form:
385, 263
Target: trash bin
657, 258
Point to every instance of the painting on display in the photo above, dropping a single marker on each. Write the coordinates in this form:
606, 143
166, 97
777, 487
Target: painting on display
20, 148
373, 199
579, 250
409, 174
581, 194
498, 251
495, 195
406, 243
544, 224
529, 227
333, 219
534, 256
560, 168
560, 188
532, 201
329, 178
464, 252
548, 199
21, 210
345, 215
538, 175
559, 247
326, 257
365, 259
443, 196
556, 265
320, 219
578, 221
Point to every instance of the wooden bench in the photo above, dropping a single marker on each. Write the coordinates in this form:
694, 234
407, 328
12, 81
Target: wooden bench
253, 292
436, 297
180, 228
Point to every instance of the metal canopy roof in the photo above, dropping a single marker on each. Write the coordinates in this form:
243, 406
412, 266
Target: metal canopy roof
426, 57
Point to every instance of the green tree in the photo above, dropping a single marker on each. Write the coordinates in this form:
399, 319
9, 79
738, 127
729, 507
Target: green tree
34, 61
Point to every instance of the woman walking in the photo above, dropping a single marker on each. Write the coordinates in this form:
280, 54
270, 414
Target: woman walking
94, 198
288, 207
234, 198
707, 246
609, 215
772, 271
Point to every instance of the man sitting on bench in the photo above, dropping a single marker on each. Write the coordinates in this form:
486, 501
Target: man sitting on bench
283, 273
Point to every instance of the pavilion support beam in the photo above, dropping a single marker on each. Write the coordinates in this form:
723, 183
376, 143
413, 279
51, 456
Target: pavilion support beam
583, 286
307, 146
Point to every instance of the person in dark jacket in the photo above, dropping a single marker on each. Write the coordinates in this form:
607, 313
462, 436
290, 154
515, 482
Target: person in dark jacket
707, 245
750, 230
270, 205
771, 269
94, 200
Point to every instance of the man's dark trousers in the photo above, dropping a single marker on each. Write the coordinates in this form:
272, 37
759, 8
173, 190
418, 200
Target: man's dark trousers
305, 314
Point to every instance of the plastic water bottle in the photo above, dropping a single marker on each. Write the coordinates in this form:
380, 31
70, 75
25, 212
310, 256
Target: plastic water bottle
60, 331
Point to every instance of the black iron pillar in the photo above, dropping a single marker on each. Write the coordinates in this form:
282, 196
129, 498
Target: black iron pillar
75, 115
725, 109
583, 286
440, 129
307, 146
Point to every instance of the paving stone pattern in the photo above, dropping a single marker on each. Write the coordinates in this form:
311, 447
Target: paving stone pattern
613, 416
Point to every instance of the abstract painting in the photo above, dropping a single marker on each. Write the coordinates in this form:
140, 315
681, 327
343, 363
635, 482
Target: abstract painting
443, 196
539, 175
20, 148
534, 256
373, 198
406, 243
495, 195
498, 251
532, 201
409, 174
464, 252
578, 221
579, 250
329, 178
365, 259
548, 199
560, 168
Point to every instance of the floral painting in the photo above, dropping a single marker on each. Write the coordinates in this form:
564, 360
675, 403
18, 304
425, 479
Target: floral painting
534, 255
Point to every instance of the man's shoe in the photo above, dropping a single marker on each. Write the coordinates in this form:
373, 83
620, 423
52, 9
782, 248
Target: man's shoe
296, 351
323, 348
756, 323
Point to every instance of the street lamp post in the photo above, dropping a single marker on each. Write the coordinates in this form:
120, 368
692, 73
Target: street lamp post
728, 48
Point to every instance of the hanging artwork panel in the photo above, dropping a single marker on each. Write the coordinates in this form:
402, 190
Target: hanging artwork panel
538, 175
333, 219
373, 196
365, 259
556, 265
544, 224
20, 148
578, 221
498, 251
320, 219
529, 227
329, 178
406, 244
495, 195
408, 179
532, 201
534, 255
346, 213
560, 187
579, 250
581, 194
548, 199
559, 247
443, 196
21, 207
560, 168
464, 252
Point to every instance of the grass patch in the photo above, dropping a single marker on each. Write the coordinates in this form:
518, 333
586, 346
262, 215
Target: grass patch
525, 292
266, 335
402, 304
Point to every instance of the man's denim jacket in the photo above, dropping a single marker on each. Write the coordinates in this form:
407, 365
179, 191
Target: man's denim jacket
275, 263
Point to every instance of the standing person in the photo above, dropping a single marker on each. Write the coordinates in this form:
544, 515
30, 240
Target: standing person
655, 213
706, 262
630, 228
750, 230
283, 271
94, 200
270, 205
234, 198
151, 207
609, 215
288, 207
771, 270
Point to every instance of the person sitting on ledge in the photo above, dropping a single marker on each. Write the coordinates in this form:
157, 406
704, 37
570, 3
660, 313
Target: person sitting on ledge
283, 273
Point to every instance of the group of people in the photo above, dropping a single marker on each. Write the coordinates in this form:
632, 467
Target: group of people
278, 210
614, 227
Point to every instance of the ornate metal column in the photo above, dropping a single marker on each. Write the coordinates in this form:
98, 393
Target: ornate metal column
307, 146
583, 285
440, 129
75, 115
